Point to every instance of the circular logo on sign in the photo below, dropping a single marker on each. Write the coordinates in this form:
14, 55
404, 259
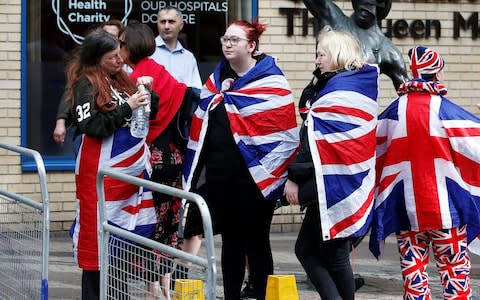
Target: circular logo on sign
73, 16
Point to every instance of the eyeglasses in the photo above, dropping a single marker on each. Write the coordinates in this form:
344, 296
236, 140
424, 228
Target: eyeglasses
234, 40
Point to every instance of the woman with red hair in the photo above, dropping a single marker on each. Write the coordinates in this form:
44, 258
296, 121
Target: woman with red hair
102, 98
243, 134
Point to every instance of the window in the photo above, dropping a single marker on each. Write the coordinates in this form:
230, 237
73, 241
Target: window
52, 29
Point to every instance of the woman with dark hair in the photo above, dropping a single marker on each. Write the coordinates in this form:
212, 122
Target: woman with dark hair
64, 113
103, 97
167, 135
137, 43
243, 134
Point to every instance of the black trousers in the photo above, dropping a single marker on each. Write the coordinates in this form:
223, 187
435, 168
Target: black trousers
327, 263
243, 218
251, 238
119, 272
90, 285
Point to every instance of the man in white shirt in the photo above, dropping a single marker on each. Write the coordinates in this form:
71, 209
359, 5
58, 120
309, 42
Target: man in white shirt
182, 65
169, 51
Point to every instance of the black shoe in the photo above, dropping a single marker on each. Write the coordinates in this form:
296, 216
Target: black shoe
359, 281
248, 291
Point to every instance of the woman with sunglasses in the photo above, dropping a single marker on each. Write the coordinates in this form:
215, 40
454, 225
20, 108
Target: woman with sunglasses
243, 135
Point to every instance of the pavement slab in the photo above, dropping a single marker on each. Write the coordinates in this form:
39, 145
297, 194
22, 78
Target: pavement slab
382, 277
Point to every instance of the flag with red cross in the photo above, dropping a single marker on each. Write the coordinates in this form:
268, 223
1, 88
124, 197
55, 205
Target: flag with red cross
428, 168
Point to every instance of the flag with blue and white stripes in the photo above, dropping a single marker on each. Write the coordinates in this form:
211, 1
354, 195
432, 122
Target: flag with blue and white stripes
341, 127
261, 113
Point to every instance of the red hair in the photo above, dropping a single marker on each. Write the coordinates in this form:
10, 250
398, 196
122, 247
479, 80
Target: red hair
101, 83
252, 29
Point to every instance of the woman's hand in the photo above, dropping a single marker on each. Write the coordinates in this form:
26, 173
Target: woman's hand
146, 81
59, 132
291, 192
138, 99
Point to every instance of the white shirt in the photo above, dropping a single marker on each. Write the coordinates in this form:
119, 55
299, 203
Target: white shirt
180, 63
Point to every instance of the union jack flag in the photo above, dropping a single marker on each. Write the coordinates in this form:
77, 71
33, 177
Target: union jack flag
428, 171
262, 118
341, 133
127, 206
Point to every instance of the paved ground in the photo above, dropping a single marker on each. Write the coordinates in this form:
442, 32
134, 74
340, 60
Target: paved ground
382, 278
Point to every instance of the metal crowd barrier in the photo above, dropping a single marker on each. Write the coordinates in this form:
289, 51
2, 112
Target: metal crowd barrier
134, 267
24, 238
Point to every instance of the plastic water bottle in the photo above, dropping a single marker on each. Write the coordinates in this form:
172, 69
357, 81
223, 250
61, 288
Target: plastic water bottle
140, 117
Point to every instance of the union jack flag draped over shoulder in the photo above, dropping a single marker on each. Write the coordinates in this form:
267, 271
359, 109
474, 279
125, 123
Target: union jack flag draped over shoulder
341, 126
128, 206
428, 171
262, 118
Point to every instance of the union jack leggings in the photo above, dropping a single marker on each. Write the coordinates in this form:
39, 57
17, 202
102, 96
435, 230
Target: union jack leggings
452, 260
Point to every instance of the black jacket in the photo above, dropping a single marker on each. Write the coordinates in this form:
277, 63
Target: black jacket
93, 122
302, 171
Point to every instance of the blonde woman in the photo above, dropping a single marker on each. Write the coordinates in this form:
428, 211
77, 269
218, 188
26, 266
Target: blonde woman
333, 175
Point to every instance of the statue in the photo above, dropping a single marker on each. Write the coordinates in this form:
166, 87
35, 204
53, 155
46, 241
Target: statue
363, 24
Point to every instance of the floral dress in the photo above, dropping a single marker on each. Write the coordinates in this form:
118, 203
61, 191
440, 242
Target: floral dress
167, 159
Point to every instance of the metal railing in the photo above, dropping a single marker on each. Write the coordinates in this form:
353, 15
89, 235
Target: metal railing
24, 238
135, 267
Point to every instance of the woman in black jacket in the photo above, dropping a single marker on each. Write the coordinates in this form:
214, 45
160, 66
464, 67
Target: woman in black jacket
333, 174
243, 134
102, 98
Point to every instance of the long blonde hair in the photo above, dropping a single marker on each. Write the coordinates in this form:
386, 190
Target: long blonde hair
344, 48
